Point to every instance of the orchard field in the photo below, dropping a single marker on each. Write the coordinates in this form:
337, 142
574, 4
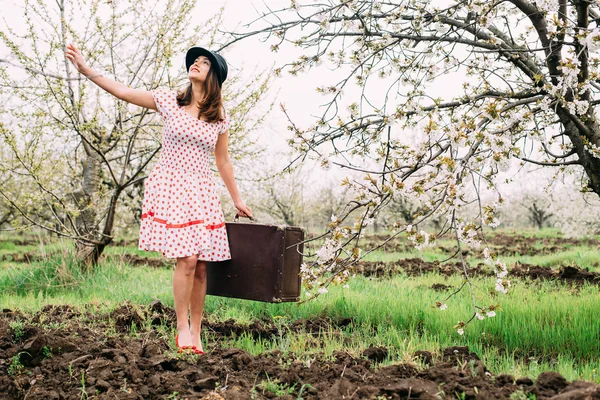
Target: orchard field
109, 333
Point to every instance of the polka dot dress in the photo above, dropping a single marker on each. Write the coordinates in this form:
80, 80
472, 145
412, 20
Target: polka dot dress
181, 210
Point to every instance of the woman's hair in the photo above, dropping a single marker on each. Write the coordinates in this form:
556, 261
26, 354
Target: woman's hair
211, 106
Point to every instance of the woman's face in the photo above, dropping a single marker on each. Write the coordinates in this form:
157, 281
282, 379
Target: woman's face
199, 69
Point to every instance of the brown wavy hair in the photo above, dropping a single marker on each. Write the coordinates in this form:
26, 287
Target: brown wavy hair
211, 106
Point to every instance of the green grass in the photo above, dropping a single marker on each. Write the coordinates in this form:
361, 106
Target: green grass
581, 257
59, 281
541, 322
542, 326
426, 254
119, 250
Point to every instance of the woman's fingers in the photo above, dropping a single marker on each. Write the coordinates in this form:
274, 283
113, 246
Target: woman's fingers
244, 211
70, 52
73, 54
71, 49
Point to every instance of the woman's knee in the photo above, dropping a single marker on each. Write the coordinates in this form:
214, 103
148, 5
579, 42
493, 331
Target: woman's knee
186, 265
201, 270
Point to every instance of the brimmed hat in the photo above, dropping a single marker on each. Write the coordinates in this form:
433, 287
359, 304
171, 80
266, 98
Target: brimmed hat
216, 60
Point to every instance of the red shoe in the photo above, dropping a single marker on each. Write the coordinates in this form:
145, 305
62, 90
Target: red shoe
182, 348
199, 352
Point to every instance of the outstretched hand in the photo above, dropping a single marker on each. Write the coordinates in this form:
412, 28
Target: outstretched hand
73, 54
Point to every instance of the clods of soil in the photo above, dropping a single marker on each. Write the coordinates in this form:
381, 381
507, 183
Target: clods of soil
70, 354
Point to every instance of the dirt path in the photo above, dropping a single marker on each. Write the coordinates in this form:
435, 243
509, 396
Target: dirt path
78, 355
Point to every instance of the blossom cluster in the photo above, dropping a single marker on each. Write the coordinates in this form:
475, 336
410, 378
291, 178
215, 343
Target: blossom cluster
419, 239
593, 149
467, 233
491, 258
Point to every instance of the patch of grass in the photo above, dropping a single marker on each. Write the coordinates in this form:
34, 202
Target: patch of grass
15, 366
17, 328
45, 277
61, 281
119, 250
275, 387
47, 351
8, 247
580, 257
543, 325
429, 254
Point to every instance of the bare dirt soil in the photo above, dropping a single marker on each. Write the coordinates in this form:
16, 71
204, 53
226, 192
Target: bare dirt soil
417, 266
62, 353
503, 244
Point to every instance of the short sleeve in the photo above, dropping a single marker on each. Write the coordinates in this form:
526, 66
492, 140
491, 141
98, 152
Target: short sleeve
224, 123
165, 101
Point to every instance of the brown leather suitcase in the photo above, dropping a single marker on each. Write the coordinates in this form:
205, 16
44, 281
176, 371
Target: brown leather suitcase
264, 266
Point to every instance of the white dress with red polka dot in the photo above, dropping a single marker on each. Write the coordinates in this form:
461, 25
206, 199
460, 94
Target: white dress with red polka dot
181, 210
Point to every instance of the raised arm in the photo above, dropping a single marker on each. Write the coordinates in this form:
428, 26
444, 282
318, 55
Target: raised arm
142, 98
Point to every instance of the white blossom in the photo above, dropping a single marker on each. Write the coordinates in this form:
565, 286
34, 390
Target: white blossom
547, 6
494, 224
593, 149
477, 6
579, 107
592, 40
327, 251
368, 221
500, 286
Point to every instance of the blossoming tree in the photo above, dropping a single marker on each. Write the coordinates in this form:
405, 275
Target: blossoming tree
77, 149
527, 89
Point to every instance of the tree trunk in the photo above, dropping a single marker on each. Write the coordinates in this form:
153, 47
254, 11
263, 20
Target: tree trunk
589, 162
89, 249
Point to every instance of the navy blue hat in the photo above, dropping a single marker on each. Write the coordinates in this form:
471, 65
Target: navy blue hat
216, 60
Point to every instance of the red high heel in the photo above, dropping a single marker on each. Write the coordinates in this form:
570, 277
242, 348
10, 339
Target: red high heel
199, 352
182, 348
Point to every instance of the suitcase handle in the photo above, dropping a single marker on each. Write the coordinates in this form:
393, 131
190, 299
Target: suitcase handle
237, 218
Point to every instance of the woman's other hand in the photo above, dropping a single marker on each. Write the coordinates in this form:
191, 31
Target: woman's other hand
73, 54
243, 209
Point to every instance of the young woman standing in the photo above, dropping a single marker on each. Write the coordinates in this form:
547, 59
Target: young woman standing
181, 211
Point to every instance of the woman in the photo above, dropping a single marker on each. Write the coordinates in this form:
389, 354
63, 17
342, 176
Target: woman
181, 211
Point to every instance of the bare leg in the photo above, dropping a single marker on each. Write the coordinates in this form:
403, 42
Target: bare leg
183, 281
197, 303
